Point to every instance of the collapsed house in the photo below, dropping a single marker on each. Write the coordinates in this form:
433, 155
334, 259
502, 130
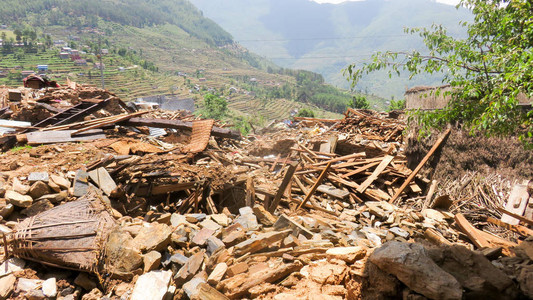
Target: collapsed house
101, 202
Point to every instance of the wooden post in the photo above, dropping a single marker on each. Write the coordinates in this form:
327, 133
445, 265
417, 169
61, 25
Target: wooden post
420, 165
315, 186
283, 187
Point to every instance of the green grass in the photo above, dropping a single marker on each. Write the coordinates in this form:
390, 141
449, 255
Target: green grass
20, 148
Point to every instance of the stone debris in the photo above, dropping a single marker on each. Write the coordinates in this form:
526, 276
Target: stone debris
326, 209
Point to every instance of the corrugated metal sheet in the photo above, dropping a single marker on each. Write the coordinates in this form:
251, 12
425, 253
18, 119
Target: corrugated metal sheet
156, 132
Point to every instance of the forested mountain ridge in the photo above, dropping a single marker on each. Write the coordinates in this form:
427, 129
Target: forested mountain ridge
325, 38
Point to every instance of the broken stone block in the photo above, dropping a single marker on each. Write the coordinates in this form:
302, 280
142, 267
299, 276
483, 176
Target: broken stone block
20, 188
176, 220
18, 199
7, 285
260, 242
54, 187
81, 183
83, 280
218, 274
121, 254
195, 218
399, 232
284, 222
50, 287
61, 181
35, 295
412, 266
55, 198
210, 224
37, 207
94, 294
247, 219
347, 254
25, 285
237, 269
103, 180
191, 287
11, 265
201, 236
179, 259
263, 215
155, 236
233, 235
213, 244
526, 281
38, 176
6, 210
190, 268
38, 189
221, 219
151, 260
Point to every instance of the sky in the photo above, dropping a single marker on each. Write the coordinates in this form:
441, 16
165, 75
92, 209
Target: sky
450, 2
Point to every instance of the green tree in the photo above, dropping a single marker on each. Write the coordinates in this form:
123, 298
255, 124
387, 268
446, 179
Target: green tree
397, 104
215, 107
359, 102
305, 113
489, 70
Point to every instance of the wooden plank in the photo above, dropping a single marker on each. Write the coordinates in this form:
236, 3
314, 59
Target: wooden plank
165, 188
62, 136
361, 169
177, 124
282, 187
420, 165
315, 186
521, 218
346, 157
380, 168
522, 230
473, 233
103, 180
250, 192
333, 192
518, 200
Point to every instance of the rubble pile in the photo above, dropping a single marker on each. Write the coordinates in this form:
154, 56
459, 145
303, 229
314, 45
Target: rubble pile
321, 209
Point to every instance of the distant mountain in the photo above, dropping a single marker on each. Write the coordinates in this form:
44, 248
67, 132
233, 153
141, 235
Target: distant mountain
325, 38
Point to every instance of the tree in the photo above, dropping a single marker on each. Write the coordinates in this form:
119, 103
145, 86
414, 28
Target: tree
488, 70
397, 104
215, 107
305, 113
359, 102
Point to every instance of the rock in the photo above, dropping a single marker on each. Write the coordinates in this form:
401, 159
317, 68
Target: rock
83, 280
25, 285
191, 287
233, 234
380, 284
121, 254
20, 188
38, 176
155, 236
218, 274
247, 219
95, 294
151, 286
61, 181
478, 276
525, 249
18, 199
50, 287
81, 183
210, 224
260, 242
37, 207
285, 222
412, 266
237, 269
190, 268
176, 220
35, 295
103, 180
54, 187
433, 215
399, 232
213, 244
348, 254
55, 198
6, 210
221, 219
152, 260
526, 281
264, 216
7, 285
38, 189
11, 265
122, 288
195, 218
179, 259
201, 236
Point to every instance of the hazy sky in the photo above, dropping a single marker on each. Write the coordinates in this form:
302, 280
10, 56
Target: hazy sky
451, 2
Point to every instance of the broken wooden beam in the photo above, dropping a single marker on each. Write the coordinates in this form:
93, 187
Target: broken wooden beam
282, 187
473, 233
180, 125
316, 185
522, 230
380, 168
420, 165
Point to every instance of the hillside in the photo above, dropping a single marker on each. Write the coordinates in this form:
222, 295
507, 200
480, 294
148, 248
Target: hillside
325, 38
170, 49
